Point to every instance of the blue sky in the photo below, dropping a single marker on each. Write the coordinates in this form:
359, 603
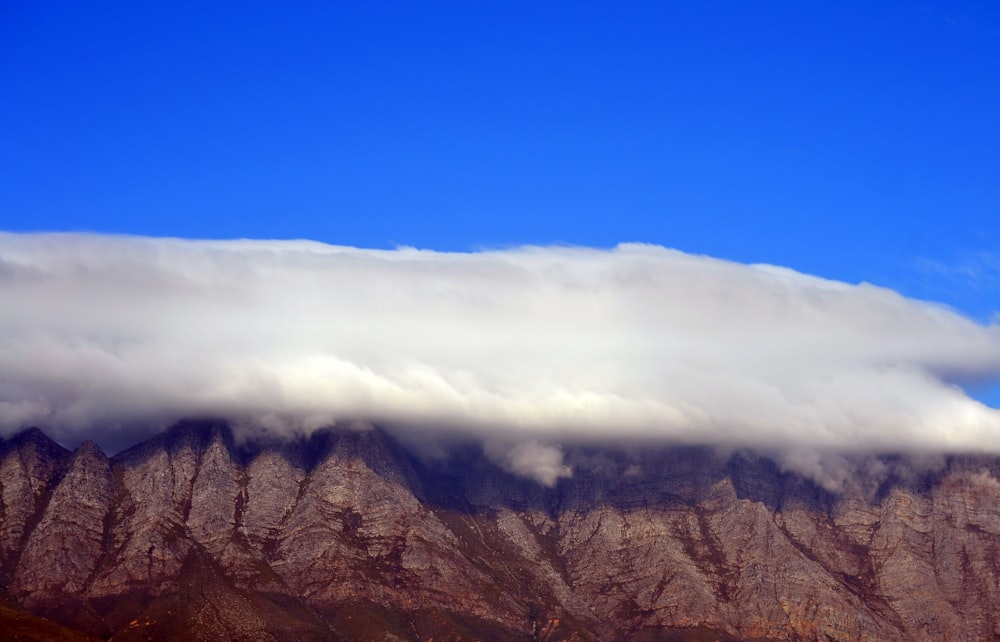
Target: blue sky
853, 140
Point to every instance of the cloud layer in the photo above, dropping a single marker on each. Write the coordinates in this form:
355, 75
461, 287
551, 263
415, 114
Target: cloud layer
528, 347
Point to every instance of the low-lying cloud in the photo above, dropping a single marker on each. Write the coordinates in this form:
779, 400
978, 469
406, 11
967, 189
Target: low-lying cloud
526, 348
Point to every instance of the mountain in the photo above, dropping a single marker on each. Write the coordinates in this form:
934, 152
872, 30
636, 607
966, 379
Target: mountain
345, 535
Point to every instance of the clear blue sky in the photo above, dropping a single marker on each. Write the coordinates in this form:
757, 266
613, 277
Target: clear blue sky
853, 140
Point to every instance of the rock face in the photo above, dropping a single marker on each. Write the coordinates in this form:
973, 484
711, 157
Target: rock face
345, 536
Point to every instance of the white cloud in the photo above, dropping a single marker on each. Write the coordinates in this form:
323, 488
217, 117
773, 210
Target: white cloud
550, 344
530, 458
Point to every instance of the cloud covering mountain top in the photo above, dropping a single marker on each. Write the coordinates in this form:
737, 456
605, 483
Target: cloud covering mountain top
528, 347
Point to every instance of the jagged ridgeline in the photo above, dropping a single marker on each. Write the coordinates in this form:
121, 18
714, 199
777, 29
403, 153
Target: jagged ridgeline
347, 536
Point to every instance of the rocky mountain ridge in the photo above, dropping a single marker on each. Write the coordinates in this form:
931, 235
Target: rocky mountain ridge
345, 535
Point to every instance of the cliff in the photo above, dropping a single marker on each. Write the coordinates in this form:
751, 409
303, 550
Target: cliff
346, 536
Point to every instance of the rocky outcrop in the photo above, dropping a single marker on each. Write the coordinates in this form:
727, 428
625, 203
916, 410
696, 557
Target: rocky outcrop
31, 464
345, 536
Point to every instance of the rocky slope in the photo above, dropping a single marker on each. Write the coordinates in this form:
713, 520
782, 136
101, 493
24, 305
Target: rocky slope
345, 536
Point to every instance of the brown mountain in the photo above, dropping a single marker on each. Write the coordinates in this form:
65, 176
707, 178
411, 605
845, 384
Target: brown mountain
346, 536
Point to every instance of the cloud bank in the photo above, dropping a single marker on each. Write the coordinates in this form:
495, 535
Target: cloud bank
529, 347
